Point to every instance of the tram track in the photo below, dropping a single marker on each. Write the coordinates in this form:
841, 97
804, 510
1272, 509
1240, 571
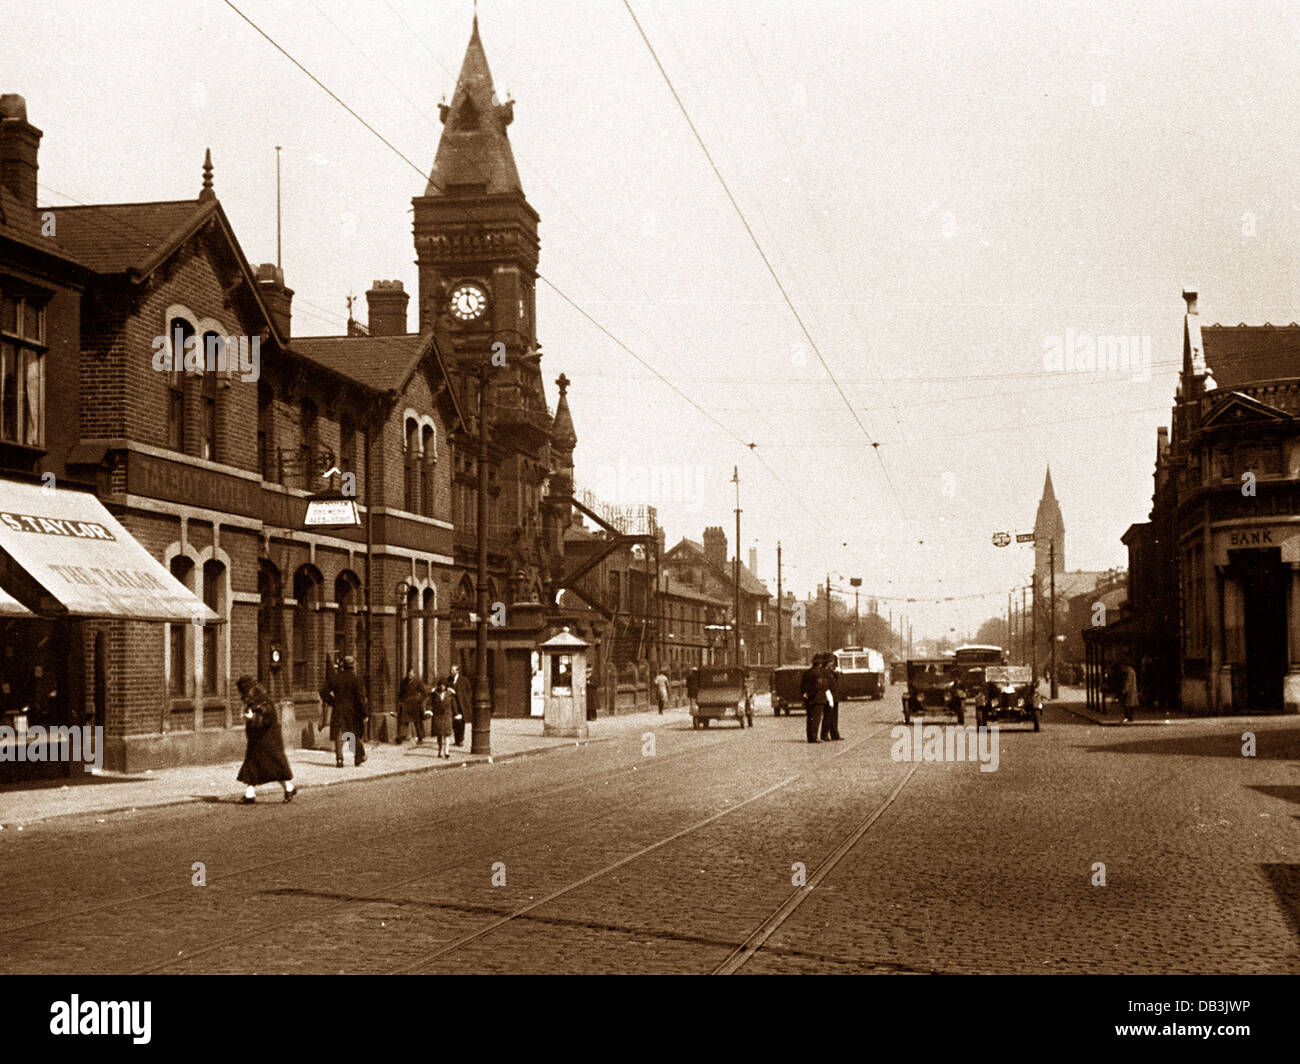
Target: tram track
403, 830
752, 942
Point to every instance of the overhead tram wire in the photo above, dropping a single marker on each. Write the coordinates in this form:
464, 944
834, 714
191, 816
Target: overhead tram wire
749, 446
875, 446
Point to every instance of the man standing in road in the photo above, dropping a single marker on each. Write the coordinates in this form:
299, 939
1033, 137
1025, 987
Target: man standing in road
463, 707
814, 686
831, 716
347, 695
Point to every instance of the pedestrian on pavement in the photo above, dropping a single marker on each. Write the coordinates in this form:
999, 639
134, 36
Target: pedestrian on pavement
264, 758
444, 713
814, 686
1130, 692
411, 697
347, 696
459, 686
661, 690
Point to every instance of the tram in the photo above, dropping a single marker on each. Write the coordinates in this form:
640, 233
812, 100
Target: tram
862, 673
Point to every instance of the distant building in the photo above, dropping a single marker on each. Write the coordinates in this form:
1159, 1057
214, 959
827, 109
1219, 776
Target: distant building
704, 567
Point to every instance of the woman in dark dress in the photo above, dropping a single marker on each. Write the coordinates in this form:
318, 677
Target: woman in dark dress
411, 697
444, 703
264, 760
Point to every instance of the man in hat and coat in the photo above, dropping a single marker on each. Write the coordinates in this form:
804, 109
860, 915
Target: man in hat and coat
264, 758
459, 685
815, 686
346, 694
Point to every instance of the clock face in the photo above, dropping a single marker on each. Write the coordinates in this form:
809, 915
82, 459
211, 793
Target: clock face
468, 302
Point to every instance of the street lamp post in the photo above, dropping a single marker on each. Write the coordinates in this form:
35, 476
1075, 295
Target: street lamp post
481, 735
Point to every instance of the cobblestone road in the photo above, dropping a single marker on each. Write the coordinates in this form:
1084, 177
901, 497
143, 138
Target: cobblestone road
602, 859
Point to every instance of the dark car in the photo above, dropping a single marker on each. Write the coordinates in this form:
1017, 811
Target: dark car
932, 688
786, 694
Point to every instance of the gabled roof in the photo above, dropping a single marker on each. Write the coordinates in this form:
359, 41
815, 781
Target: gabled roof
474, 148
127, 237
749, 583
1242, 354
1236, 408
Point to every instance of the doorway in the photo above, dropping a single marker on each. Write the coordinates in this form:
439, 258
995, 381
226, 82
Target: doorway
1263, 580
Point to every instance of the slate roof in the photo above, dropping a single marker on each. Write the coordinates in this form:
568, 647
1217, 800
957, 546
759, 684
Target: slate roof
120, 237
749, 583
474, 148
380, 363
1241, 354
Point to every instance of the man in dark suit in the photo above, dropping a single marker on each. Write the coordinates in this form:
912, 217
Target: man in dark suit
831, 717
347, 695
464, 709
813, 686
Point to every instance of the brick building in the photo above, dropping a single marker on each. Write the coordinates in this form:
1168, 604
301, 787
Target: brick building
1214, 574
703, 567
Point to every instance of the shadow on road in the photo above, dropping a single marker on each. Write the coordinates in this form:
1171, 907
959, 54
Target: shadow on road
1285, 881
1282, 744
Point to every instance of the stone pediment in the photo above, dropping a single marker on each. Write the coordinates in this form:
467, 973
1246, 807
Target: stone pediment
1238, 409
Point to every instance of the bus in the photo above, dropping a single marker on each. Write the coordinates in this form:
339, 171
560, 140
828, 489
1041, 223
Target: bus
862, 673
972, 659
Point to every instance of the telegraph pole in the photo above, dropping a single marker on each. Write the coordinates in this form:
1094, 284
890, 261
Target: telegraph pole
735, 569
780, 608
481, 736
828, 612
1033, 641
1051, 576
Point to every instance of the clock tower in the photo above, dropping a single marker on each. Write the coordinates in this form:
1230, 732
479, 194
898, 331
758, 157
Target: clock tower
475, 233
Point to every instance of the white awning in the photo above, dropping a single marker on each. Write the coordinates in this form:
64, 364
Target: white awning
63, 554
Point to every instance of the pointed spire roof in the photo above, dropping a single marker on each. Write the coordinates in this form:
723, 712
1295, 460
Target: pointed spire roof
206, 193
474, 149
1048, 493
562, 431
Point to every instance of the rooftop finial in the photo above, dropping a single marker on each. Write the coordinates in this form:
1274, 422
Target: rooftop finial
562, 382
207, 193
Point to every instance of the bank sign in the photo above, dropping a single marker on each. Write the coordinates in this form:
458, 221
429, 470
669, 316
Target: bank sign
1281, 534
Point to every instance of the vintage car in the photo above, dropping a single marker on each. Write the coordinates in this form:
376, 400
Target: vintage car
1009, 694
897, 672
723, 692
787, 682
932, 688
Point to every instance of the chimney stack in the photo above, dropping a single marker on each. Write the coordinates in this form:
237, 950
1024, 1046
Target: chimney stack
715, 547
19, 143
1189, 297
278, 298
387, 301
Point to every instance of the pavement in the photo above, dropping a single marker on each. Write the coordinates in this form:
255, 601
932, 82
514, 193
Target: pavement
1074, 700
103, 793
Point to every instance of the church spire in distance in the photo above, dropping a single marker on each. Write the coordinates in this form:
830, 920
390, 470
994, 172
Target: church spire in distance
474, 152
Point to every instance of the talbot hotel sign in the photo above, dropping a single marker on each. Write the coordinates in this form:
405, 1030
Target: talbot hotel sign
158, 478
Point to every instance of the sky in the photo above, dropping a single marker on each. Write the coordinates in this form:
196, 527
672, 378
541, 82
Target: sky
947, 193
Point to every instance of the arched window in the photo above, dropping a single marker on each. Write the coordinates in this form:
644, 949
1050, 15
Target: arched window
179, 332
431, 663
214, 597
429, 449
213, 347
347, 593
414, 632
267, 461
180, 666
306, 593
269, 621
411, 449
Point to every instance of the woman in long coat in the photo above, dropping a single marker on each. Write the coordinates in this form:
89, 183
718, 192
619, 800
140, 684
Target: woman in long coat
411, 697
444, 704
264, 759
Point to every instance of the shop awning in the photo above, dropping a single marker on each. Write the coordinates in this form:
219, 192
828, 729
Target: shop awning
63, 555
11, 607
